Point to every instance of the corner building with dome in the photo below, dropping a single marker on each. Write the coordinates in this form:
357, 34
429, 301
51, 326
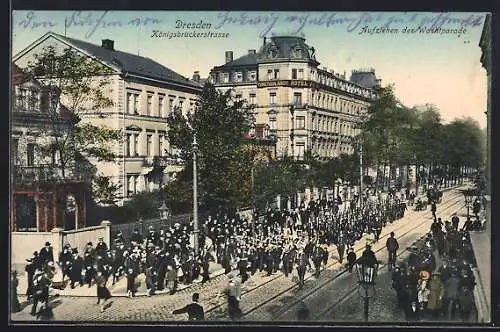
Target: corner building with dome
303, 106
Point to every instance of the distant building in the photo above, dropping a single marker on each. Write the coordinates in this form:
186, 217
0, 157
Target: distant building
42, 196
365, 78
144, 93
303, 106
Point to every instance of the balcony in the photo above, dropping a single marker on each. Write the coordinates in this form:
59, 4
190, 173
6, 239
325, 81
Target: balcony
42, 173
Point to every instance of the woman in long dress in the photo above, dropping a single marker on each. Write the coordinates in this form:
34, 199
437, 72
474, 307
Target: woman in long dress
103, 292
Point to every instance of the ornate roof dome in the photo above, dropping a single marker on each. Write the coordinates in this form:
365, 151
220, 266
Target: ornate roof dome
286, 47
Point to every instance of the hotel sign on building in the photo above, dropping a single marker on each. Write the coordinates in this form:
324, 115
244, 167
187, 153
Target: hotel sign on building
305, 107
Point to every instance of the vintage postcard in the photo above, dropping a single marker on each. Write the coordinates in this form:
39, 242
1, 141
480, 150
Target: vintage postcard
251, 167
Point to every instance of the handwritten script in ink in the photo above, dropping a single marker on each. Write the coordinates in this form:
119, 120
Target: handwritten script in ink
351, 21
92, 21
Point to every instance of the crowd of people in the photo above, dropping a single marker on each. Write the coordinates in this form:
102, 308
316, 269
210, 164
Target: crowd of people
437, 280
280, 241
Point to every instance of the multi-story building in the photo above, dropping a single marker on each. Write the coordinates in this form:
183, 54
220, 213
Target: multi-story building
42, 196
144, 93
305, 107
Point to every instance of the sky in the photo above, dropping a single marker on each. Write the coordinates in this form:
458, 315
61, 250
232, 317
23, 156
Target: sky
429, 57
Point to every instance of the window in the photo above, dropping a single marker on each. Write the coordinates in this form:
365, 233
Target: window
33, 100
276, 74
160, 145
136, 145
30, 154
272, 98
131, 185
301, 74
171, 105
238, 76
161, 111
128, 145
252, 76
225, 77
181, 102
14, 148
297, 98
272, 124
294, 74
150, 105
130, 103
21, 99
136, 184
301, 122
300, 151
269, 74
136, 104
149, 145
251, 99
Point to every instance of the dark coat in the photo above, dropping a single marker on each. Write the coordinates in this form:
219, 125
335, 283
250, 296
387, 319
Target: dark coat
194, 311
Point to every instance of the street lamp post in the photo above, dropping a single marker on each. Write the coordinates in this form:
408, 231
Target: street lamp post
195, 195
164, 213
468, 194
367, 273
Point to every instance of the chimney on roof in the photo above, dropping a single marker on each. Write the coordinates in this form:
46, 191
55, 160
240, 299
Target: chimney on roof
108, 44
229, 56
251, 51
196, 76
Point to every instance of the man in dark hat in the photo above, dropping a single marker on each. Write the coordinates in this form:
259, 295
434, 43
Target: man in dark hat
194, 309
351, 259
101, 247
88, 263
30, 268
65, 260
46, 254
455, 221
392, 246
76, 268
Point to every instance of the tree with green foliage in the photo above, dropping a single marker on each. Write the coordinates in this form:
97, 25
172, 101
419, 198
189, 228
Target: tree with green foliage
224, 160
75, 84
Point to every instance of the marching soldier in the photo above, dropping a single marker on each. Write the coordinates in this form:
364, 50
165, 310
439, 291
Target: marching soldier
317, 257
302, 262
341, 246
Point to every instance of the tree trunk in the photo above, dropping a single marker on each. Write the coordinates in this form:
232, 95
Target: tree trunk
377, 176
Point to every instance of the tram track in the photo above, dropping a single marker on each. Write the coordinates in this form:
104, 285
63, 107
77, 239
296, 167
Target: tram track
359, 247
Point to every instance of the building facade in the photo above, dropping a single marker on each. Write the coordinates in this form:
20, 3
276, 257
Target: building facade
304, 107
42, 196
144, 93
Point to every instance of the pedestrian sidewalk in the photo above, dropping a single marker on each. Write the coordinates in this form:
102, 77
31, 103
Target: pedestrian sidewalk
481, 245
